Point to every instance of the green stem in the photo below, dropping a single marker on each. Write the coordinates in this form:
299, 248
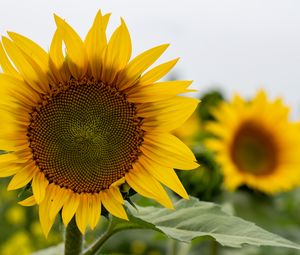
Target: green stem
112, 229
214, 248
73, 239
172, 247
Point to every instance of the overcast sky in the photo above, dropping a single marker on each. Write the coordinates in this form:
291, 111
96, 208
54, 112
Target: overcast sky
236, 45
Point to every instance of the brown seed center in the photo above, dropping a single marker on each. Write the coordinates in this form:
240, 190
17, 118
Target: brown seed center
254, 150
85, 136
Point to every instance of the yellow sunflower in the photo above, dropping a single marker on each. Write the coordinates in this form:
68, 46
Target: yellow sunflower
80, 124
256, 144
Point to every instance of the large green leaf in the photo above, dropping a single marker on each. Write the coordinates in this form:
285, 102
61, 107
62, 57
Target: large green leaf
192, 219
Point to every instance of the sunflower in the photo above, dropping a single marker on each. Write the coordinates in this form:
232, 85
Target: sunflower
83, 119
256, 144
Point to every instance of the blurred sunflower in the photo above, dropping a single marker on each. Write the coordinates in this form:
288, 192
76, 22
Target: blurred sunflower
80, 124
256, 144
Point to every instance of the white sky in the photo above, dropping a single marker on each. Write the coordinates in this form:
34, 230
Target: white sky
237, 45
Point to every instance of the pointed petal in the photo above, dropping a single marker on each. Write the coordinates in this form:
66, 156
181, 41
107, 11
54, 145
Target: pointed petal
23, 177
8, 164
9, 169
157, 72
112, 205
165, 175
27, 67
167, 159
39, 185
169, 143
115, 191
31, 49
138, 65
77, 57
6, 65
45, 220
166, 115
143, 183
70, 207
82, 213
29, 201
18, 89
94, 211
8, 158
57, 61
58, 198
117, 54
157, 91
95, 43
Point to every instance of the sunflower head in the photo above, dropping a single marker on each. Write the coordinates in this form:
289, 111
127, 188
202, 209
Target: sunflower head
84, 118
256, 144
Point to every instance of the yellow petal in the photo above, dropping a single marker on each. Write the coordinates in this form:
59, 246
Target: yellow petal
8, 158
6, 65
45, 220
117, 54
112, 205
30, 201
167, 159
8, 164
138, 65
23, 177
165, 175
58, 198
217, 129
19, 90
157, 72
31, 49
82, 213
166, 115
214, 144
115, 191
120, 182
94, 211
77, 57
27, 67
157, 91
170, 144
143, 183
39, 185
95, 43
9, 169
57, 61
70, 207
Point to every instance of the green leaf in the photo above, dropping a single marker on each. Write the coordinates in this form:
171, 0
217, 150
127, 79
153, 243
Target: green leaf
192, 219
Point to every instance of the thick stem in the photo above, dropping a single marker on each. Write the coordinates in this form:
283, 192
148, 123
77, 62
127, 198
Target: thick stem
73, 239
